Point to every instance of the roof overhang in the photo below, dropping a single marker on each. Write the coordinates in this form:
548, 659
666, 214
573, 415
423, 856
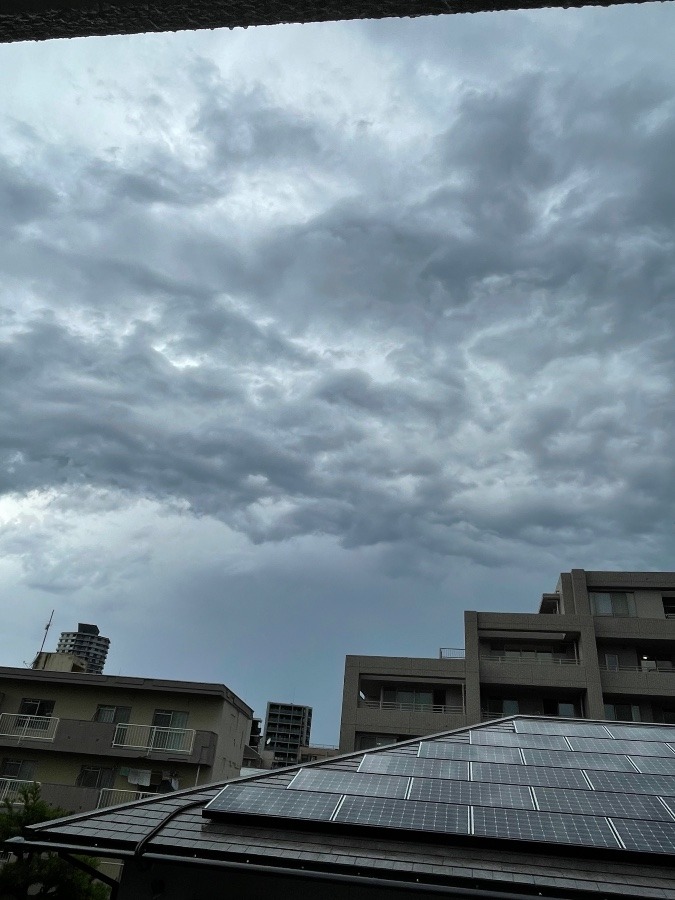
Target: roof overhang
34, 20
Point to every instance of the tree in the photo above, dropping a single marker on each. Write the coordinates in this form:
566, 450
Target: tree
41, 875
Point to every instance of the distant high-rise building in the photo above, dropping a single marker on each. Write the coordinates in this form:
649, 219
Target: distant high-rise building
87, 643
287, 728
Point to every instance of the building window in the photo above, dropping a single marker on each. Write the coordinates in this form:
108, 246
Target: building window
36, 707
175, 722
612, 604
95, 777
622, 712
510, 707
115, 715
612, 662
22, 769
169, 718
669, 607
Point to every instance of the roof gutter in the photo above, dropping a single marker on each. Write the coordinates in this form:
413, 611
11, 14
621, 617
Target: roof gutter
20, 845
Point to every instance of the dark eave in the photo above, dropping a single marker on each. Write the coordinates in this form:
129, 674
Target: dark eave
34, 20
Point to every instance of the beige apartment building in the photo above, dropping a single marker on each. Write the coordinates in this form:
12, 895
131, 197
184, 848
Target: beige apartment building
602, 646
97, 740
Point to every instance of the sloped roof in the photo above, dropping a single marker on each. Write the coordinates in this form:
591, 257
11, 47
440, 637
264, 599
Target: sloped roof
529, 802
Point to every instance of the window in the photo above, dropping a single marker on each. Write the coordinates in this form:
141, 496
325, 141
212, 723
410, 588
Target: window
171, 739
42, 709
669, 607
612, 604
116, 715
622, 712
22, 769
612, 661
95, 777
510, 707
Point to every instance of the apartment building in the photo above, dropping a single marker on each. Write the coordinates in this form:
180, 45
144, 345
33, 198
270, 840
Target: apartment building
96, 740
287, 728
88, 644
601, 646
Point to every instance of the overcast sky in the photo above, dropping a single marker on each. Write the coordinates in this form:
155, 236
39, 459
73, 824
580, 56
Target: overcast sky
312, 337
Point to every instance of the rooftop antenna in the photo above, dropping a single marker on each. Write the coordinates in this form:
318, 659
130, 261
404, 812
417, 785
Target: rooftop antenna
47, 627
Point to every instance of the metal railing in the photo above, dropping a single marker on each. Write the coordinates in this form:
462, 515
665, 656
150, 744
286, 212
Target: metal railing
23, 727
644, 669
113, 797
412, 707
451, 653
152, 737
537, 659
10, 789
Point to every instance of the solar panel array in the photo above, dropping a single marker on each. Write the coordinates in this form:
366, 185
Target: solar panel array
546, 781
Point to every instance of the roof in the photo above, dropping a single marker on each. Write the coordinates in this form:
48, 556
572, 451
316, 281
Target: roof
123, 682
30, 20
495, 805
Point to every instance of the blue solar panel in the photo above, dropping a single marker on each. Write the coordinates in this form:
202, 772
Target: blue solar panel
247, 799
525, 825
419, 816
562, 726
627, 783
316, 779
601, 803
578, 760
530, 775
641, 748
536, 741
643, 732
412, 765
471, 793
469, 752
654, 765
652, 837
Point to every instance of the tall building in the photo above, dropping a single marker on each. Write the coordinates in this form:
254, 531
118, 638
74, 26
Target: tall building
99, 740
601, 646
287, 728
88, 643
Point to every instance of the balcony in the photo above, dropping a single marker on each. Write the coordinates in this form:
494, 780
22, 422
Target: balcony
451, 653
656, 668
412, 707
152, 737
113, 797
23, 727
10, 789
532, 657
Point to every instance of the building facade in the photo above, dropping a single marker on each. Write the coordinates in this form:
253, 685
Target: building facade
602, 646
88, 644
97, 740
287, 728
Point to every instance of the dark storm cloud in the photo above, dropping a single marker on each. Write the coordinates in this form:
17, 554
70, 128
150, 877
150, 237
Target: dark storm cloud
474, 353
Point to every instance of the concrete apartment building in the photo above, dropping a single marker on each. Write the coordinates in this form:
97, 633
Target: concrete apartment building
88, 644
602, 646
287, 729
96, 740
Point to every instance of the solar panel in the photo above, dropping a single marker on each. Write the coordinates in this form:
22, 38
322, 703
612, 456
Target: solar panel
433, 817
600, 803
537, 741
349, 783
531, 775
578, 760
654, 837
471, 793
564, 727
628, 783
641, 748
469, 752
271, 802
413, 765
643, 732
654, 765
526, 825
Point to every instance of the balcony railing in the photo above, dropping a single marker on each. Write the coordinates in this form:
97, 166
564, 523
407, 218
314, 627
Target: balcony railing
23, 727
10, 789
538, 659
412, 707
152, 737
645, 670
451, 653
113, 797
